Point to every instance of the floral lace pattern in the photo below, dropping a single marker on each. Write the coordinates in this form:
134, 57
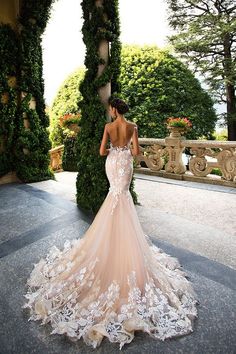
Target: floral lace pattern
113, 281
119, 169
93, 317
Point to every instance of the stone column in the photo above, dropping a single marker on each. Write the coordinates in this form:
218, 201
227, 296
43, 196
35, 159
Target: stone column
103, 52
9, 10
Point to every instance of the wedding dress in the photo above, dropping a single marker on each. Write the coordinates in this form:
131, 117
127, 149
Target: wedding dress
113, 281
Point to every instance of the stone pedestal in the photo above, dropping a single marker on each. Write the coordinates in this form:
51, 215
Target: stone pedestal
174, 150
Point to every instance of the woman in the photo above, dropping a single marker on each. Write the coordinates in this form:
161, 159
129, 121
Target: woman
113, 281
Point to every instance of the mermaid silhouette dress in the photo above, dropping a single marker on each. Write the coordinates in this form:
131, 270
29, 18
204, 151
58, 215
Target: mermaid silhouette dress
114, 280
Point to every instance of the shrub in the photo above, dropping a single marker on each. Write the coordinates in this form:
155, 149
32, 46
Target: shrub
66, 101
157, 86
69, 157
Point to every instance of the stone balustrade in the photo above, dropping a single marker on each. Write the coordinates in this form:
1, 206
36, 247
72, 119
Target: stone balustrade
167, 155
164, 157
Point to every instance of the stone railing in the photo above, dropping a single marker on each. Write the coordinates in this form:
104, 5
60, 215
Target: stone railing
166, 155
56, 158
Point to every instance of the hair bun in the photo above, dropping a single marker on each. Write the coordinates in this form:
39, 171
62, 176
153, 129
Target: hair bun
120, 105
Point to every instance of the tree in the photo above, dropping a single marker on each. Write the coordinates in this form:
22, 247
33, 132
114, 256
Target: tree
66, 101
156, 86
206, 38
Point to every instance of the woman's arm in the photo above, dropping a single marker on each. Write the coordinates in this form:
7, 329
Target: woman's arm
103, 151
135, 145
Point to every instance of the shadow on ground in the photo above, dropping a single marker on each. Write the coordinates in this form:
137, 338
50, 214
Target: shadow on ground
33, 220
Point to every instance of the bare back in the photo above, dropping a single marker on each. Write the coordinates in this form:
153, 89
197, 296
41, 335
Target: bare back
120, 133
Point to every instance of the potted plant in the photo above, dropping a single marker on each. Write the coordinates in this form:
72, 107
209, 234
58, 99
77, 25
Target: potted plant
70, 121
178, 126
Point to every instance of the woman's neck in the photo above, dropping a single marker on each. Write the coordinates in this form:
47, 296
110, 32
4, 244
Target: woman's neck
120, 118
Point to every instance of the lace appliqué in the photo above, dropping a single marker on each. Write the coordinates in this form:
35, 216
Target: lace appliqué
119, 166
116, 194
56, 300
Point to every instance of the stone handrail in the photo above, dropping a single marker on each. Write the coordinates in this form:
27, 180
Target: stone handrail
165, 156
155, 152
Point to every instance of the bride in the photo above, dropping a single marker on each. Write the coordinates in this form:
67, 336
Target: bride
113, 281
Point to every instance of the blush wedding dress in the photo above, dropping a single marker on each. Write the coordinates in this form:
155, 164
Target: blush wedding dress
113, 281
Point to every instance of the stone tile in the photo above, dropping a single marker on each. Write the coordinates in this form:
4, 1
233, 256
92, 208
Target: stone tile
25, 257
38, 233
18, 199
202, 239
50, 198
201, 265
213, 331
30, 214
67, 190
187, 184
26, 217
12, 197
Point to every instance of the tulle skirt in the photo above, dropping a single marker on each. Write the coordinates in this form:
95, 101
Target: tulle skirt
114, 280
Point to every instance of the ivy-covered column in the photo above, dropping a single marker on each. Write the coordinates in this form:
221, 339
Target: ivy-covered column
32, 141
8, 96
103, 53
101, 26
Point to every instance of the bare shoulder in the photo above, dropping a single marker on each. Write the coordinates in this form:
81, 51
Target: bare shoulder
107, 125
132, 124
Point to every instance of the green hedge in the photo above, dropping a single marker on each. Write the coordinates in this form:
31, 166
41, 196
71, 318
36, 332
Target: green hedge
69, 157
158, 86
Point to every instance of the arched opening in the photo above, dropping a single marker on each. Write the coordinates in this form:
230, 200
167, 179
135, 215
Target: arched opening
31, 143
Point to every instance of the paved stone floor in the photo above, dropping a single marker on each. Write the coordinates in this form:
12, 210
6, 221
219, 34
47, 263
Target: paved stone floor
177, 215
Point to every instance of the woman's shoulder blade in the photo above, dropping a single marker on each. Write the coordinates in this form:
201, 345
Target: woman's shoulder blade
131, 124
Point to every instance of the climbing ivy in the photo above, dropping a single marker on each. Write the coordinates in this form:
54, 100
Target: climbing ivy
32, 142
100, 23
8, 95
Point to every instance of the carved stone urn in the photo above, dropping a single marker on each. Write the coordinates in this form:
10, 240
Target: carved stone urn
176, 132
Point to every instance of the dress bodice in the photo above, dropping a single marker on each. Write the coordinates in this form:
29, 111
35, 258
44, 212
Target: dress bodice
120, 148
119, 170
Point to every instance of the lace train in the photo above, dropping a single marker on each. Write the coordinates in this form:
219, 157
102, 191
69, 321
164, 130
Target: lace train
95, 316
113, 281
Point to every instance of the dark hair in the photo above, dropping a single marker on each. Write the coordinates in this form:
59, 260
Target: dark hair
119, 104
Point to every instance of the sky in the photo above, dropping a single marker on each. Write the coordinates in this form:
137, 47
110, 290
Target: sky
63, 47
